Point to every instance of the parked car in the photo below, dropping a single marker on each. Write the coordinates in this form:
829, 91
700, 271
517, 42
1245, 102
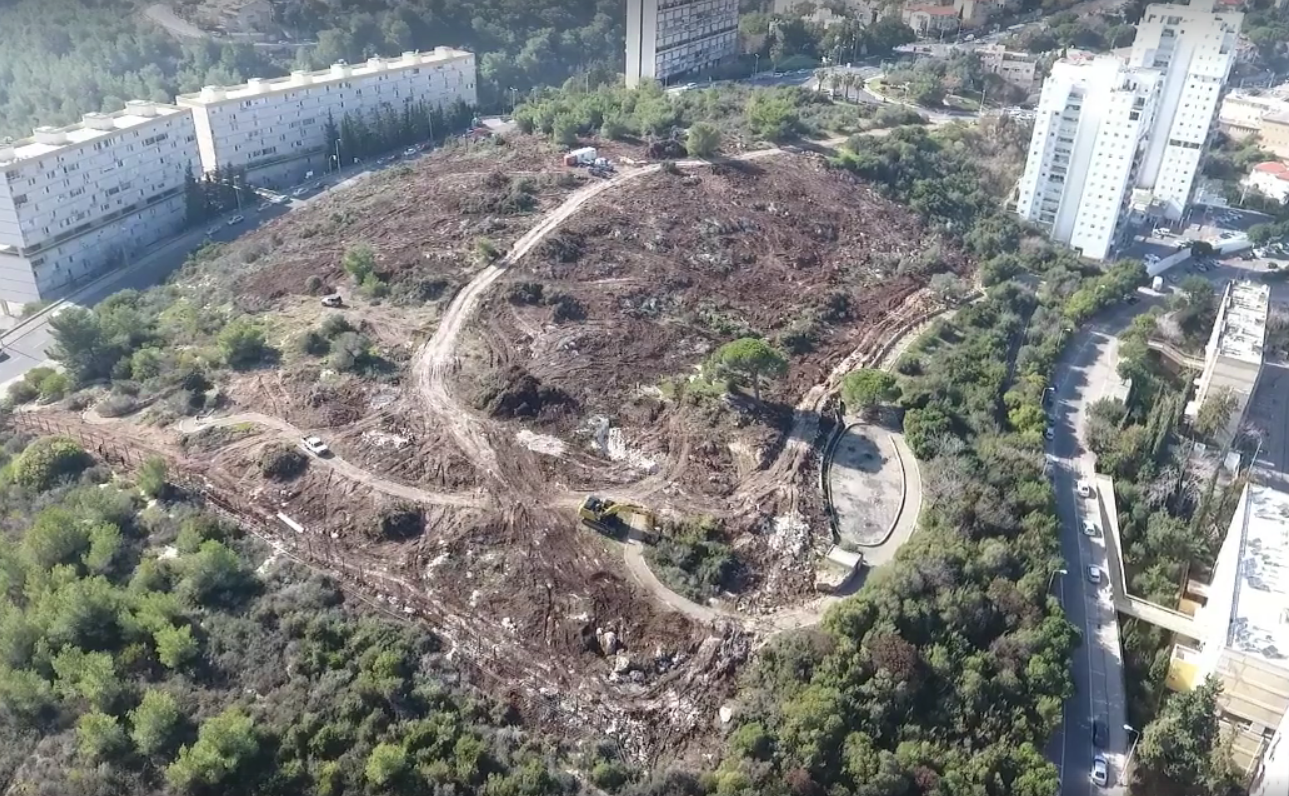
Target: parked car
334, 300
298, 192
316, 446
1049, 433
1162, 232
264, 206
1094, 574
235, 220
1099, 735
1090, 528
411, 150
1085, 489
1100, 771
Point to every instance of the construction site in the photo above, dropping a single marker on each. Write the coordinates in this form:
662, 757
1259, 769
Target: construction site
542, 340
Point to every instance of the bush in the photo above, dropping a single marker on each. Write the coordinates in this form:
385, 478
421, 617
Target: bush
314, 343
283, 462
152, 477
335, 324
21, 392
53, 387
350, 351
116, 405
359, 262
400, 522
242, 343
49, 460
313, 285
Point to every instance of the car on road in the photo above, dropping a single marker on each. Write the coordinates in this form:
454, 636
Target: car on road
212, 232
1161, 232
235, 220
1049, 433
1099, 736
298, 192
315, 445
1100, 771
1094, 574
1090, 528
1085, 489
410, 151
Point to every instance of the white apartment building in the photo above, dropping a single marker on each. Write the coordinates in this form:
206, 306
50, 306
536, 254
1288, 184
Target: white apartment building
276, 128
79, 199
1090, 135
1194, 46
666, 38
1233, 356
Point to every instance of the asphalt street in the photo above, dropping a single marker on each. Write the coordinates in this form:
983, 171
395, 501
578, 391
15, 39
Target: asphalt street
1086, 374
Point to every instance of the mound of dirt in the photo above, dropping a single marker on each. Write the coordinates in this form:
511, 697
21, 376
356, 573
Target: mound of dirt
515, 393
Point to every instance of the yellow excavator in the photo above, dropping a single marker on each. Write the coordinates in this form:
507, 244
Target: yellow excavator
619, 520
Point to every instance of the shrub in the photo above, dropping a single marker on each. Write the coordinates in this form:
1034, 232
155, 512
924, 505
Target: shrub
49, 460
152, 477
283, 462
359, 262
116, 405
242, 343
314, 343
335, 324
313, 285
53, 387
400, 522
21, 392
350, 351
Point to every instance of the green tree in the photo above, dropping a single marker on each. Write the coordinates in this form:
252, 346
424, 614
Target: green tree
1215, 412
152, 477
99, 737
176, 647
214, 575
565, 131
155, 722
242, 343
90, 676
702, 140
865, 389
224, 744
49, 460
79, 344
386, 763
772, 116
749, 360
359, 261
1181, 751
56, 536
104, 545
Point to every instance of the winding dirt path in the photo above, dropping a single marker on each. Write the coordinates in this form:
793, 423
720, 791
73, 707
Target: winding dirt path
344, 468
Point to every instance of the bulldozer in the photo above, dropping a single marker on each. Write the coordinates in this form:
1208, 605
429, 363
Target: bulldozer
619, 520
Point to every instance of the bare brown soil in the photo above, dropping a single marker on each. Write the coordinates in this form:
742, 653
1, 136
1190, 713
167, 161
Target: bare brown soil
576, 373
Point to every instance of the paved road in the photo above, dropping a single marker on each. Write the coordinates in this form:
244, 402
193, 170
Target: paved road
1086, 374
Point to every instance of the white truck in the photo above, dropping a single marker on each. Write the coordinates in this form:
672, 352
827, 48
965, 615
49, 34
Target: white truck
1157, 284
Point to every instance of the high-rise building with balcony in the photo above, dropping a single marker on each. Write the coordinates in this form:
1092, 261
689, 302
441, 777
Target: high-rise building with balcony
1194, 47
666, 38
1090, 137
76, 200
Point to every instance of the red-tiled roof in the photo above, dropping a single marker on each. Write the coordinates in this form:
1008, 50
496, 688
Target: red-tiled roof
1275, 168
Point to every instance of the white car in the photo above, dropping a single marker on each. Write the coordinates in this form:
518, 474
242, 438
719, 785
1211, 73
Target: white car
1161, 232
1094, 575
316, 446
212, 232
1085, 489
1049, 433
1090, 528
1100, 771
235, 220
298, 192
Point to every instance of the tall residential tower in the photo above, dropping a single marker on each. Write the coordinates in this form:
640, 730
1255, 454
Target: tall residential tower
1194, 47
666, 38
1090, 136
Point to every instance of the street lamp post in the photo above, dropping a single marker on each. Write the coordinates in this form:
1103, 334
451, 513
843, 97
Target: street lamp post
1052, 577
1127, 765
756, 70
514, 103
337, 154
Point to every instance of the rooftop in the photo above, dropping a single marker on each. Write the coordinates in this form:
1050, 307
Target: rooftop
933, 10
1260, 616
336, 73
1244, 323
1273, 167
46, 140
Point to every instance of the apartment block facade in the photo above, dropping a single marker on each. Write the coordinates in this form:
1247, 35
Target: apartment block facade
275, 129
1194, 47
77, 200
667, 38
1090, 138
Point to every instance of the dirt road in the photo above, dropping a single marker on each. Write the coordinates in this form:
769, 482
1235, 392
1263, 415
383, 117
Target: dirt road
349, 471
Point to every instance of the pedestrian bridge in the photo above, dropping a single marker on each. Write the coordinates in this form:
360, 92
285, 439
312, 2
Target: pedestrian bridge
1169, 619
